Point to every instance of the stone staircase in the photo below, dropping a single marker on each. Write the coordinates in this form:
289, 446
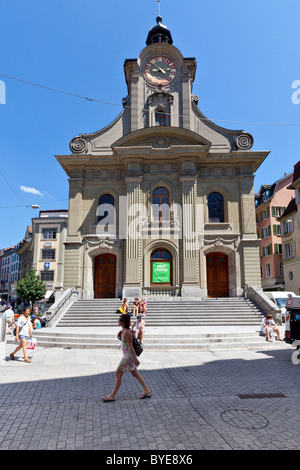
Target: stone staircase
94, 324
206, 312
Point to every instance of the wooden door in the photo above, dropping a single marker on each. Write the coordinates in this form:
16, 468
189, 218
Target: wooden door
105, 276
217, 275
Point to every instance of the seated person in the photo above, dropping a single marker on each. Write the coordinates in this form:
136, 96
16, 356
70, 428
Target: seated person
143, 307
268, 326
125, 306
136, 306
36, 324
138, 328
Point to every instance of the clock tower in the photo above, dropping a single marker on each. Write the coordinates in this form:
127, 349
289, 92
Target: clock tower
159, 82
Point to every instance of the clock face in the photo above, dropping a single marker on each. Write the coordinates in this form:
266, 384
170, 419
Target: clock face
160, 70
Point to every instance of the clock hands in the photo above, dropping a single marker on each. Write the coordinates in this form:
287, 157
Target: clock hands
161, 69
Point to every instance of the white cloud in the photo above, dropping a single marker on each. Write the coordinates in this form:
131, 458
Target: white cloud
31, 190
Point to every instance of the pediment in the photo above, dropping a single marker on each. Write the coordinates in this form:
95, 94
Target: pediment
161, 137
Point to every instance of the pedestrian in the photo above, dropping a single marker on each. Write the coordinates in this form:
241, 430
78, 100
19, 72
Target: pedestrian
9, 315
23, 331
129, 361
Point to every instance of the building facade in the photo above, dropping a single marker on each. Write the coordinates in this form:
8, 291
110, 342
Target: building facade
161, 201
270, 204
290, 229
48, 237
9, 272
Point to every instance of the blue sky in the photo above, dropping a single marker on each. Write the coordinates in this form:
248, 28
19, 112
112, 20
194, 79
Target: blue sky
247, 53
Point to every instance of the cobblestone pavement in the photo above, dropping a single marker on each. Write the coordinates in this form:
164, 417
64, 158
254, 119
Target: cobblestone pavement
224, 400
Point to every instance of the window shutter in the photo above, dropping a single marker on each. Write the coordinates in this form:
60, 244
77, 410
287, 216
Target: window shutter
276, 248
270, 249
274, 229
273, 211
268, 211
261, 216
269, 229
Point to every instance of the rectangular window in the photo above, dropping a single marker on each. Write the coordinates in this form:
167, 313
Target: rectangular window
268, 270
266, 231
289, 250
47, 275
288, 226
48, 254
277, 211
160, 119
281, 268
278, 248
49, 233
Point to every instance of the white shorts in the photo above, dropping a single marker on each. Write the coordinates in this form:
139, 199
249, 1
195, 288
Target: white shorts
264, 330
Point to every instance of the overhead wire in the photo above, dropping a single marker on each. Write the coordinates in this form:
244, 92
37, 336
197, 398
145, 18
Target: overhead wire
139, 109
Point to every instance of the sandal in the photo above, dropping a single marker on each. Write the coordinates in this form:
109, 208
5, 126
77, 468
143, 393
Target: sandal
107, 400
12, 356
145, 395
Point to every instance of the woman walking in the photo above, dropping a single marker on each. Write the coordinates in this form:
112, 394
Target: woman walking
23, 330
129, 361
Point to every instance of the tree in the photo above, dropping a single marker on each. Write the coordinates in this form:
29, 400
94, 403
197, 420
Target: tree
31, 288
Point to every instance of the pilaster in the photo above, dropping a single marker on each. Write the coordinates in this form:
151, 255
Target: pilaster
132, 285
190, 249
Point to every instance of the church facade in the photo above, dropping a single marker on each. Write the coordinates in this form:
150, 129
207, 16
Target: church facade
161, 201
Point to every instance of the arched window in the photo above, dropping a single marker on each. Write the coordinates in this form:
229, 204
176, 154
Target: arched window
160, 119
160, 201
215, 207
161, 267
106, 199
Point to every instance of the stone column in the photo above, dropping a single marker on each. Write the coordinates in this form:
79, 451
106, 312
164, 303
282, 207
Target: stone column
132, 285
190, 248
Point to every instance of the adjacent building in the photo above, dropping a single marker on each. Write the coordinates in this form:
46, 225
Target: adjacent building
161, 201
48, 237
270, 203
42, 249
9, 273
290, 229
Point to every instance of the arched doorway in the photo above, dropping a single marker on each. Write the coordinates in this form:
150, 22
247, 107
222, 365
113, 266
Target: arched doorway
161, 267
105, 276
217, 275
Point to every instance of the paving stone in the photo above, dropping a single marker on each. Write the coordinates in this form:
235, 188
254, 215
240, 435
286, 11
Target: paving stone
196, 401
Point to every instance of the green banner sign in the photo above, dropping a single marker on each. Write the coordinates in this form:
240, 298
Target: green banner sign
161, 272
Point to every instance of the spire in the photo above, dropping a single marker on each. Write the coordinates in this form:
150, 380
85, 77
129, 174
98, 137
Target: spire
159, 33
